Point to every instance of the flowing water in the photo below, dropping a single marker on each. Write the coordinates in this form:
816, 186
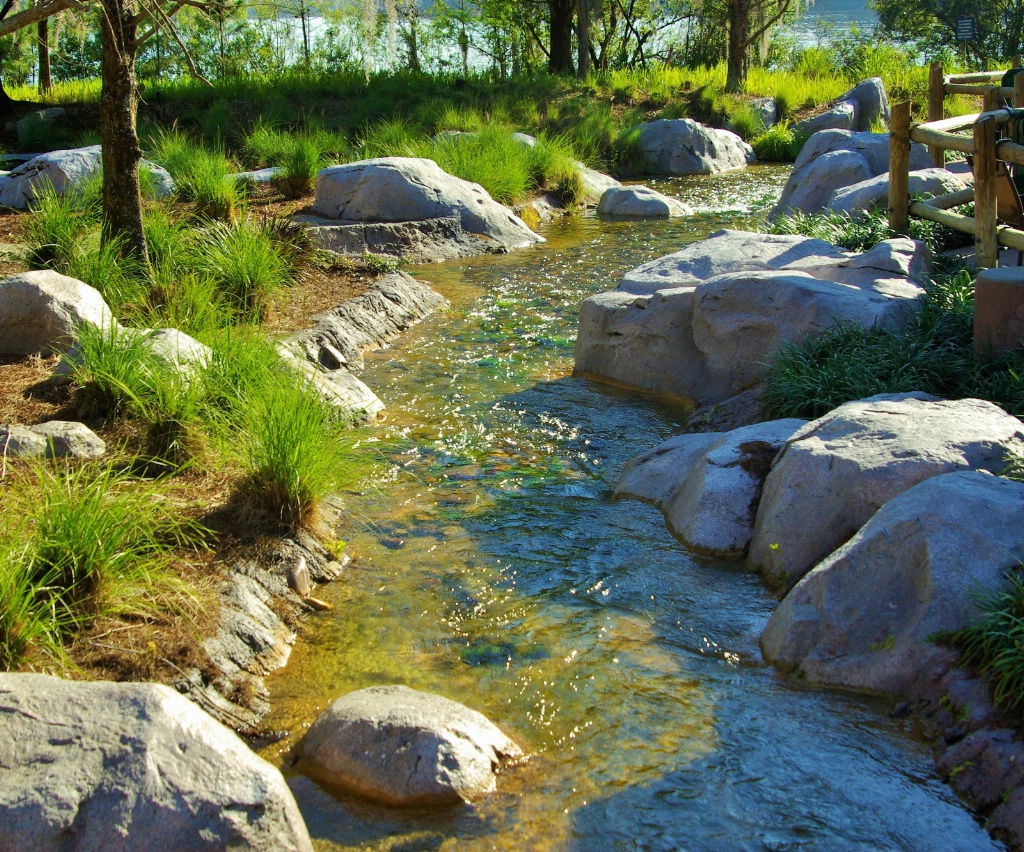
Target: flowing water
493, 568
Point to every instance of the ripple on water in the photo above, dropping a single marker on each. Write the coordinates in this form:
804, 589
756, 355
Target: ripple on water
493, 568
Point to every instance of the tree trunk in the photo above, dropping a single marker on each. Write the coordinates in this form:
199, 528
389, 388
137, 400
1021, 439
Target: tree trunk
560, 57
43, 43
583, 38
119, 97
736, 67
8, 105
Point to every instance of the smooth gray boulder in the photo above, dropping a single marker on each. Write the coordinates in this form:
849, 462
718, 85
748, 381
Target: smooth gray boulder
834, 159
766, 110
840, 469
65, 171
842, 116
401, 746
53, 439
640, 202
131, 765
872, 194
42, 311
702, 323
871, 101
708, 484
407, 189
595, 183
681, 146
338, 388
867, 615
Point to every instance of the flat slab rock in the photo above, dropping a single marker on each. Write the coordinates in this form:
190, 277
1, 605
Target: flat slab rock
404, 189
54, 439
840, 469
116, 765
865, 617
400, 746
708, 485
640, 202
703, 322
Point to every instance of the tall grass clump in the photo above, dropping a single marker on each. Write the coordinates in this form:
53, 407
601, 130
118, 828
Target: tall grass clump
746, 123
201, 175
861, 232
58, 223
778, 144
100, 542
294, 454
27, 624
300, 161
245, 261
994, 645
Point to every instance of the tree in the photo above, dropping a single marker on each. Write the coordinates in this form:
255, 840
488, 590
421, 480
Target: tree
748, 22
932, 25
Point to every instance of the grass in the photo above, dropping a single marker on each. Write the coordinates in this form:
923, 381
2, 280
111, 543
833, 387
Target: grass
994, 645
861, 233
201, 175
778, 144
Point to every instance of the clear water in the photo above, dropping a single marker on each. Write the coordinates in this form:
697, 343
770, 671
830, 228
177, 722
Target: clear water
494, 569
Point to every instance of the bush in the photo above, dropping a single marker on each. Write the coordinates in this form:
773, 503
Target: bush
201, 176
746, 123
301, 159
778, 144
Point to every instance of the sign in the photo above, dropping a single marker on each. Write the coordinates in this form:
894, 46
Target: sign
966, 30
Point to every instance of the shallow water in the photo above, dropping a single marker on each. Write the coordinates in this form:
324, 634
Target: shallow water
493, 568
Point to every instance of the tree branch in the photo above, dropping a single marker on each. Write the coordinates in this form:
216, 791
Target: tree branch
36, 13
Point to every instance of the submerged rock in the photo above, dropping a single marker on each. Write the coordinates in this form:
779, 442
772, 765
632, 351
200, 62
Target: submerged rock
708, 485
130, 765
840, 469
867, 616
640, 202
702, 323
681, 146
403, 747
408, 189
42, 311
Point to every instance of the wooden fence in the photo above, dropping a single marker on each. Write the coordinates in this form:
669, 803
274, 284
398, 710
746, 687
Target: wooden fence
977, 135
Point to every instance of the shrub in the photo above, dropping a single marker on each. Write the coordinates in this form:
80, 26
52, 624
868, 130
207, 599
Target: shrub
860, 233
201, 176
778, 144
746, 123
301, 159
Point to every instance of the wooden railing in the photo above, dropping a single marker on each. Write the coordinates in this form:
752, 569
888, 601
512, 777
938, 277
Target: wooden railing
949, 134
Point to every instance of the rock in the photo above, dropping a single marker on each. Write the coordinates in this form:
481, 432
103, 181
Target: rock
258, 175
66, 170
1006, 822
871, 101
872, 194
544, 207
837, 471
843, 116
708, 485
595, 183
168, 347
54, 439
393, 304
984, 766
429, 241
338, 388
867, 615
681, 146
101, 765
41, 311
766, 110
41, 120
743, 409
403, 747
404, 189
701, 323
640, 202
834, 159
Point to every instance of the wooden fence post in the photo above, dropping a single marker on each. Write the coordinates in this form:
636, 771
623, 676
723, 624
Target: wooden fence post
992, 99
936, 108
986, 247
1018, 60
1018, 91
899, 168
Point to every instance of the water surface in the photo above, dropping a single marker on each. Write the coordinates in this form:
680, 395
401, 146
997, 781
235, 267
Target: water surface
494, 569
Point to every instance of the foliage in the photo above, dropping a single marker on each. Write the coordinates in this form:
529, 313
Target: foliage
994, 645
861, 232
778, 144
200, 175
746, 123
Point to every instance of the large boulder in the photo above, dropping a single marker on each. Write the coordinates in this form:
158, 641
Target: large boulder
640, 202
595, 183
404, 747
872, 194
871, 102
42, 311
866, 617
681, 146
708, 485
131, 765
702, 323
407, 189
842, 116
65, 171
840, 469
53, 439
834, 159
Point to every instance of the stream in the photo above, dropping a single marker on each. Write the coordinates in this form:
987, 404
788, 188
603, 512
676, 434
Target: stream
493, 568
